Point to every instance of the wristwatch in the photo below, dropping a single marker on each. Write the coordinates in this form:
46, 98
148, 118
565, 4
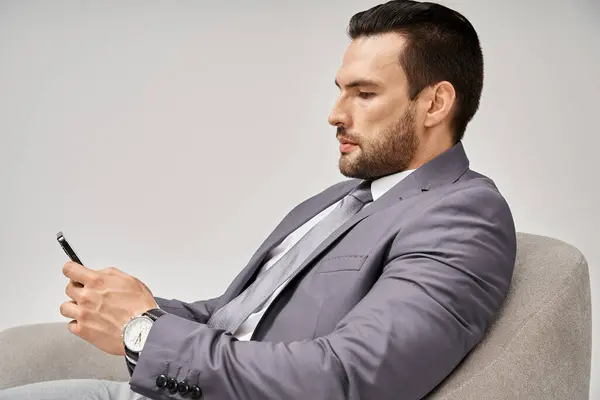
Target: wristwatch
135, 333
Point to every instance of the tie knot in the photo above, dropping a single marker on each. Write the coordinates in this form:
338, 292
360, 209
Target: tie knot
363, 192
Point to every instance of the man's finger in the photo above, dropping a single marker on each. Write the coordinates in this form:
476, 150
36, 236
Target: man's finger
70, 310
113, 271
74, 328
79, 273
74, 291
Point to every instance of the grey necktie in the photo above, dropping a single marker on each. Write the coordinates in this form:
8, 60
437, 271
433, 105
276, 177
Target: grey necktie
233, 314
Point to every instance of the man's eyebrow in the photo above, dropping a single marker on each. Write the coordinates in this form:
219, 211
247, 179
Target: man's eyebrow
357, 83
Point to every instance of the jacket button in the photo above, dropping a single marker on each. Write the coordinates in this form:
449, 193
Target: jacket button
171, 385
161, 381
195, 392
183, 387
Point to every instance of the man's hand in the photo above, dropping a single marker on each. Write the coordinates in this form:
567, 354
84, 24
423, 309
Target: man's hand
103, 302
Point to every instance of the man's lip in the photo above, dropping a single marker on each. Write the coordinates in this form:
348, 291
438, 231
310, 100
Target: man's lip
346, 141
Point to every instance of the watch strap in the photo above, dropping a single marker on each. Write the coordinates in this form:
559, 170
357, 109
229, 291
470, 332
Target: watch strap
154, 313
132, 356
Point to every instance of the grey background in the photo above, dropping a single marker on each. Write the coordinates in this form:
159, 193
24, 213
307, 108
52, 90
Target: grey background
169, 138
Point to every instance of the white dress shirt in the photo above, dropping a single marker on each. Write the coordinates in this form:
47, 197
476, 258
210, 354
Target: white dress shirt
378, 188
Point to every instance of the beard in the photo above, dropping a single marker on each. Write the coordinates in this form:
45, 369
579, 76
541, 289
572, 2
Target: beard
390, 151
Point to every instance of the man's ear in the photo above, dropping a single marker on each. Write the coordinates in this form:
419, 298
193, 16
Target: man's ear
440, 101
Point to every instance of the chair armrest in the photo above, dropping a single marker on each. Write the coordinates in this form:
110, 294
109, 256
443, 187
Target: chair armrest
45, 352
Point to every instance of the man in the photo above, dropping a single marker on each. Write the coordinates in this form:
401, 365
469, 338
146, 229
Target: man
375, 288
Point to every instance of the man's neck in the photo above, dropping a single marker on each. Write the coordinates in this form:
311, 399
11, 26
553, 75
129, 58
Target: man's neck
431, 149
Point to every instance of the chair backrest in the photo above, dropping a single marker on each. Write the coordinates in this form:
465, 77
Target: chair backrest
539, 347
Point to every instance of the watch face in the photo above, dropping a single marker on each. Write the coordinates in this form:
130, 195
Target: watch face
136, 333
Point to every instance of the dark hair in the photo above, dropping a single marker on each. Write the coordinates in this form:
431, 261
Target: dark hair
441, 45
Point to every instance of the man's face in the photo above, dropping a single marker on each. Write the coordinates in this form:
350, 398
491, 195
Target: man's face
374, 118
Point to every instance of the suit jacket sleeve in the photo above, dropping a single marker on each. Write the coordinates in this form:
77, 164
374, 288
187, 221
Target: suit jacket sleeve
199, 311
443, 281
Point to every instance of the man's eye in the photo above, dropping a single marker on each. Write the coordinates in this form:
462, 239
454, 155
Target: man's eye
366, 95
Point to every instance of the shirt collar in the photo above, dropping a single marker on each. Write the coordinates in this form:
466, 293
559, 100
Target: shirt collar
380, 186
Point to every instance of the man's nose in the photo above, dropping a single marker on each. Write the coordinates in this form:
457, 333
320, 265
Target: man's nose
338, 116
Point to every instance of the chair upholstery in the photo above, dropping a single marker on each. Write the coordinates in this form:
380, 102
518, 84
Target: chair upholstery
46, 352
540, 344
539, 347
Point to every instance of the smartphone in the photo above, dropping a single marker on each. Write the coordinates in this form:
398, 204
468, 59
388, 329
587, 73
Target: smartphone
67, 248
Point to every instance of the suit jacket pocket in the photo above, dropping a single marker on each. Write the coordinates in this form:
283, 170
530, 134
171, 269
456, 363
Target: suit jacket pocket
340, 263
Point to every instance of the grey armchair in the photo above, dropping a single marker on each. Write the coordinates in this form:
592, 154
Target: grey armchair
538, 348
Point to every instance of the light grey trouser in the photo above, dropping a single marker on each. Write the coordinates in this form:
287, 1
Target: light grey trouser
72, 389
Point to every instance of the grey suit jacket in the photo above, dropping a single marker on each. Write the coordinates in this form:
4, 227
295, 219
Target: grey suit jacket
385, 308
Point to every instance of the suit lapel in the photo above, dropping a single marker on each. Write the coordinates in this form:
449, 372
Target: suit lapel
407, 187
294, 220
